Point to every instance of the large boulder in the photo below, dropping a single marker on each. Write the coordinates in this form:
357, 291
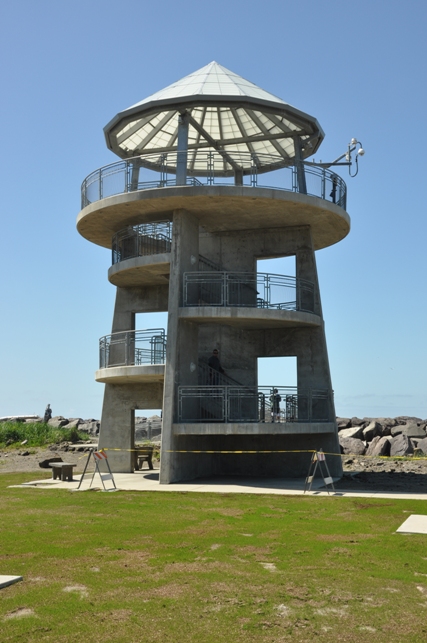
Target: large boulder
407, 419
74, 423
386, 421
89, 426
58, 421
400, 446
343, 423
411, 430
351, 446
379, 446
371, 431
354, 432
422, 445
355, 421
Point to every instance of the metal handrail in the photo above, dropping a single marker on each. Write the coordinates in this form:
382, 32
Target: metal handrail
133, 348
246, 289
141, 240
234, 404
147, 239
136, 173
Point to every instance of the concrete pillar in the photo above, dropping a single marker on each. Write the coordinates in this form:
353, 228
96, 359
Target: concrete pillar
182, 147
182, 345
120, 400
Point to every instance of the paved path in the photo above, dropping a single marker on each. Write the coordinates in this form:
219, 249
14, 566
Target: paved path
149, 481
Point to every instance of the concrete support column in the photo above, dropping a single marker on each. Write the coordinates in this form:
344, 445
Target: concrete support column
302, 185
306, 266
120, 401
182, 147
182, 345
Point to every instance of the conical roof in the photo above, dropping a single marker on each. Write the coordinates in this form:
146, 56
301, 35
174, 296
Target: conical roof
228, 115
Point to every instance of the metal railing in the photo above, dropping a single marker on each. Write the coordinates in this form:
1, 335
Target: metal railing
220, 404
133, 348
140, 240
260, 290
287, 404
149, 239
211, 377
211, 168
236, 404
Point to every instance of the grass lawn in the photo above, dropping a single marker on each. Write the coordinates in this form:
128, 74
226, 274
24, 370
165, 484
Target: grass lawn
208, 568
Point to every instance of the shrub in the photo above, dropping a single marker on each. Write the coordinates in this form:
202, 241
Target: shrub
37, 434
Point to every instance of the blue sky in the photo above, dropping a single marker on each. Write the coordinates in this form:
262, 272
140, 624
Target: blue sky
69, 67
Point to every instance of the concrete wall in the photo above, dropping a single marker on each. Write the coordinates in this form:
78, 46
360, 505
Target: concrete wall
240, 346
239, 349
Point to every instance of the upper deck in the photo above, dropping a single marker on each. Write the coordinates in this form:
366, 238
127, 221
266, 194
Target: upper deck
128, 193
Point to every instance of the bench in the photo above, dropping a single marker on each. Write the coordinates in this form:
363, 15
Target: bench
62, 470
143, 454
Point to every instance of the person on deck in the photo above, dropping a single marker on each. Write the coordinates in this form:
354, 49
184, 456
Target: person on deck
214, 367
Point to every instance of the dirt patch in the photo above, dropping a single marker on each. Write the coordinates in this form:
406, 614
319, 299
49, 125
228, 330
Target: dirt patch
20, 612
12, 460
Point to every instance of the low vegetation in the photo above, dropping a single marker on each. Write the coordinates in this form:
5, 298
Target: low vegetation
37, 434
208, 568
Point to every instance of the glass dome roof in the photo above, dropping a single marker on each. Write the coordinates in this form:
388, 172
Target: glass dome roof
227, 115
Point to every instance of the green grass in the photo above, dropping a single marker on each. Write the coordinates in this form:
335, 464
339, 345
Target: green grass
38, 434
209, 568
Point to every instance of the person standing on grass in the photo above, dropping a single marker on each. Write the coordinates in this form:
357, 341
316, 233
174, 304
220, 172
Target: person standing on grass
47, 414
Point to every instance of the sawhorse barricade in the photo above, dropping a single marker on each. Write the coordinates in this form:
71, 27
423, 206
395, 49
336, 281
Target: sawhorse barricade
318, 459
98, 457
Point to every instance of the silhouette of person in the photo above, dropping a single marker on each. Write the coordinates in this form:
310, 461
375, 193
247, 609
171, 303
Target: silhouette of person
47, 414
214, 367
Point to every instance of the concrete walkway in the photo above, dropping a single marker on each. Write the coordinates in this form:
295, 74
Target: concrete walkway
149, 481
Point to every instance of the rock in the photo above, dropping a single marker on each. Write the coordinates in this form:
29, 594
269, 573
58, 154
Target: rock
73, 423
386, 421
401, 446
407, 419
422, 445
379, 446
44, 464
355, 421
57, 422
23, 442
343, 423
373, 429
354, 432
90, 426
412, 430
24, 453
351, 446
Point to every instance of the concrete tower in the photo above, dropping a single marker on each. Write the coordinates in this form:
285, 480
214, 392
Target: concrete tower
187, 215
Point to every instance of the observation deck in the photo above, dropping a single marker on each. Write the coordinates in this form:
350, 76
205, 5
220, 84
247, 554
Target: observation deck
126, 194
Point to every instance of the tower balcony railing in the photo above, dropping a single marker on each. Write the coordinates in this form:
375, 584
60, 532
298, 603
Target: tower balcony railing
140, 240
212, 168
242, 404
133, 348
260, 290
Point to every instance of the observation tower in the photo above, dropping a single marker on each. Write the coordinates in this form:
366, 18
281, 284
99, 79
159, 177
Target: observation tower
214, 176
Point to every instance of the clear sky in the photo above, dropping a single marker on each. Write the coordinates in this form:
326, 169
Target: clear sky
69, 67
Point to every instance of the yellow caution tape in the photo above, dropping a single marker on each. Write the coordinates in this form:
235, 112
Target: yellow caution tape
341, 455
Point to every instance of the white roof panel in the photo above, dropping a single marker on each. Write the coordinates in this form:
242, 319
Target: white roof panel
234, 114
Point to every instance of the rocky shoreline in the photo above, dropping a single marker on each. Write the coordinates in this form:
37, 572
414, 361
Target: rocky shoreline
393, 437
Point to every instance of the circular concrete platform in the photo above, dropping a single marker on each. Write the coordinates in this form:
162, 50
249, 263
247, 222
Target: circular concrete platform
218, 208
